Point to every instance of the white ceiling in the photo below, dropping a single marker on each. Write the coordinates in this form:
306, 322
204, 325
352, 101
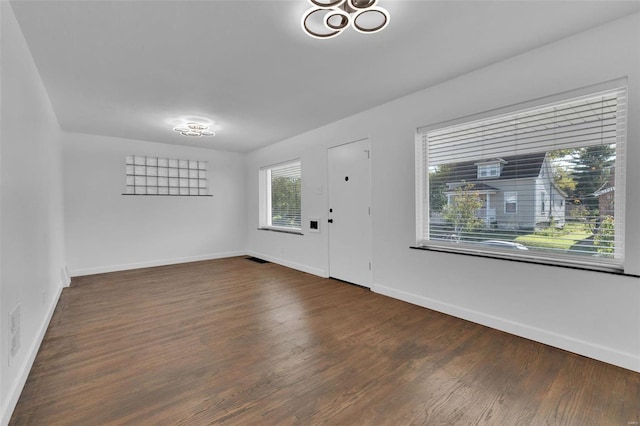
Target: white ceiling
130, 69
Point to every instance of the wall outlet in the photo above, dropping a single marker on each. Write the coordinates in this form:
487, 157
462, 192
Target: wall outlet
314, 224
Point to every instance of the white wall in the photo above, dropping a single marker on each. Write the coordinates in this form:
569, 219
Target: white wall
31, 218
308, 252
594, 314
107, 231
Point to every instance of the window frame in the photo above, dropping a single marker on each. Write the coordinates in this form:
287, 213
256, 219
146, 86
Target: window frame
620, 86
509, 195
265, 197
491, 170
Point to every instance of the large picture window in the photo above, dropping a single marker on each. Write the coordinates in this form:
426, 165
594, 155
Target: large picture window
544, 184
280, 197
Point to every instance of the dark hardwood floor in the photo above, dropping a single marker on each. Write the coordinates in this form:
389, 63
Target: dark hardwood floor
237, 342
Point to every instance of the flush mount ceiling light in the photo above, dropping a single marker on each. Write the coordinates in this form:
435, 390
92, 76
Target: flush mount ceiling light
329, 18
194, 130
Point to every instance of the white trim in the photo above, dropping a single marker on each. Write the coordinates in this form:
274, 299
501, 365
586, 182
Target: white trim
585, 91
581, 347
281, 165
23, 373
510, 195
488, 167
293, 265
465, 141
477, 191
152, 263
66, 278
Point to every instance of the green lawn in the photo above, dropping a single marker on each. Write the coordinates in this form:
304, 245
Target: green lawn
557, 239
574, 236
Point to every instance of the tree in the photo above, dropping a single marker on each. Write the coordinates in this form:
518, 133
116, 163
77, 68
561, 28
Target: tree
563, 179
605, 237
461, 212
438, 177
591, 171
285, 201
584, 215
562, 174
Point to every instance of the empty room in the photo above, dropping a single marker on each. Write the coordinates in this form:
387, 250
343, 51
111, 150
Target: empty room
345, 212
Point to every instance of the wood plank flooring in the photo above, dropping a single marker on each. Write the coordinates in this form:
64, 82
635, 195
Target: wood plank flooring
235, 342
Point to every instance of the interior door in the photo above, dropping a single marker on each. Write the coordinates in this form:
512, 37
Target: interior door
350, 239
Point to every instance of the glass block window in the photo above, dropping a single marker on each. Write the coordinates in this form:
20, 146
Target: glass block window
165, 176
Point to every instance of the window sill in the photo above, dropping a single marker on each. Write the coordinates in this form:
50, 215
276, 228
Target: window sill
497, 255
283, 231
167, 195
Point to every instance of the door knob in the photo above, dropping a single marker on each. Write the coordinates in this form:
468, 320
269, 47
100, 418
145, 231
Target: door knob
330, 220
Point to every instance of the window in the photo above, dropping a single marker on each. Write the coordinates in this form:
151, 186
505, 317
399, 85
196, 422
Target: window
280, 203
165, 176
557, 168
511, 202
488, 170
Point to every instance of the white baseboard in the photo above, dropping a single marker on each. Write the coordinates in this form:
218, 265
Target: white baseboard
151, 263
297, 266
599, 352
66, 278
16, 387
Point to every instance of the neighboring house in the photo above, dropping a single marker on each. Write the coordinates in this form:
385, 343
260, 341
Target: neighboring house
606, 196
517, 192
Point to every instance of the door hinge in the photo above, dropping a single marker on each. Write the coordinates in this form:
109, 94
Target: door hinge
369, 211
369, 265
368, 153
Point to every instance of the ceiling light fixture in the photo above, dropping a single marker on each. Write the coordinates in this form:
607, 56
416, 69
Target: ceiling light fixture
329, 18
194, 130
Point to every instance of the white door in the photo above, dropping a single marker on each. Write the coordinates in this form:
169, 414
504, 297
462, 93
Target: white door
350, 240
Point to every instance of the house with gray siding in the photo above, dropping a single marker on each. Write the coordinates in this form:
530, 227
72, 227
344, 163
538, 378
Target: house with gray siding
517, 192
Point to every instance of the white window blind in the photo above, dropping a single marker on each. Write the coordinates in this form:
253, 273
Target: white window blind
280, 202
556, 194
